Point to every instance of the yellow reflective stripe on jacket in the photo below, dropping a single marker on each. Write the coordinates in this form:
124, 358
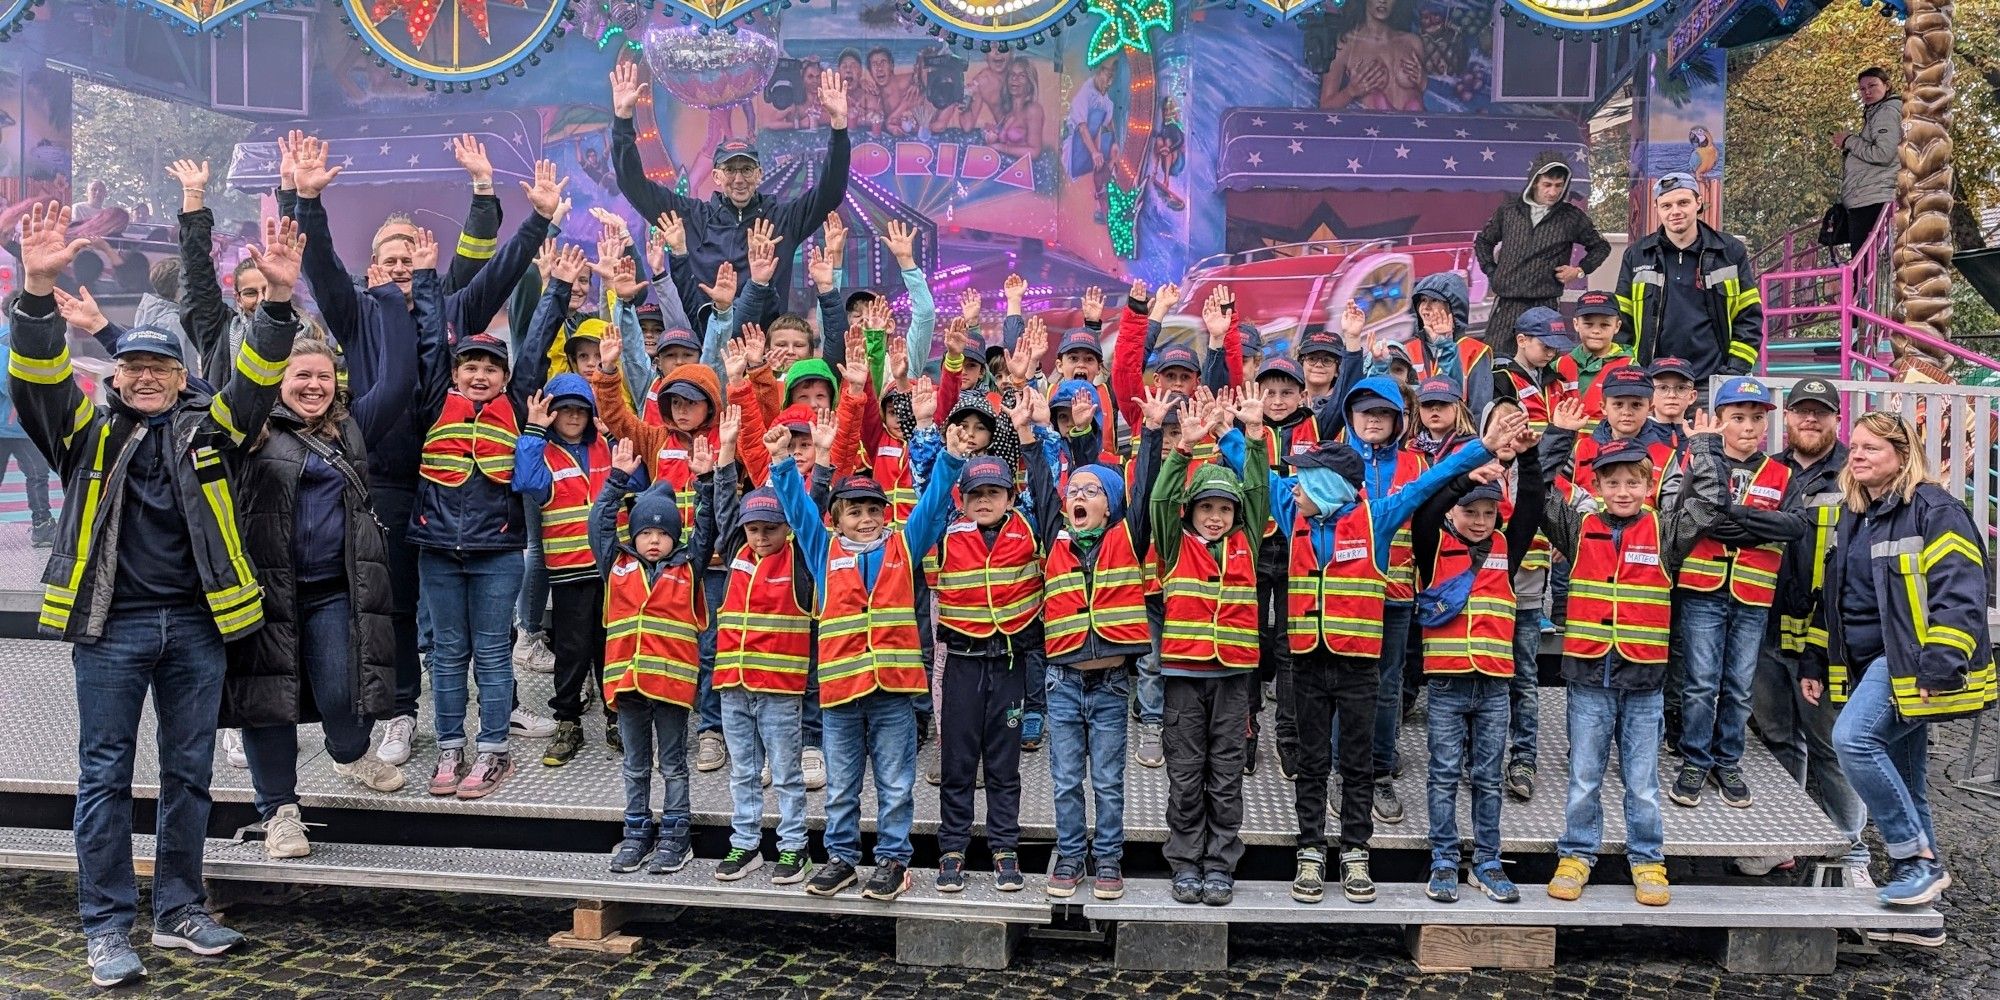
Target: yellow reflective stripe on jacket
224, 417
257, 368
41, 371
476, 248
59, 600
1977, 693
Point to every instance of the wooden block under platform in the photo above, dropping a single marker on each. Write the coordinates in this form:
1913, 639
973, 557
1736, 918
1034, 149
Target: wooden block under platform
1462, 948
616, 944
595, 920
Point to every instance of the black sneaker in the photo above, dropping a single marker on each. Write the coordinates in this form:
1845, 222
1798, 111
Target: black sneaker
674, 851
1354, 881
43, 536
738, 863
1217, 889
951, 873
611, 737
1730, 781
1250, 756
1007, 872
1063, 878
891, 879
1309, 884
1521, 780
1388, 808
831, 877
792, 868
565, 745
1687, 786
1286, 769
1187, 888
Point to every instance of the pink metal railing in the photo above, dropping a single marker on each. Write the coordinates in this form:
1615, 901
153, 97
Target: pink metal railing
1799, 288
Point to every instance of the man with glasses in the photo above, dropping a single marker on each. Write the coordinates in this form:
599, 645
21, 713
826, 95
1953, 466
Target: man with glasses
718, 229
148, 576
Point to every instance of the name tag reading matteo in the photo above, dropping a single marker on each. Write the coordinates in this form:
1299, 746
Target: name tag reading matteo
1643, 558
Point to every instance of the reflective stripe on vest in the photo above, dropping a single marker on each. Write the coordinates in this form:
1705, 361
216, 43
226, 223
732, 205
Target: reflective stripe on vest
1619, 594
566, 514
649, 408
1480, 640
891, 468
651, 632
1110, 601
868, 638
1211, 620
1338, 605
984, 589
763, 639
1752, 573
466, 438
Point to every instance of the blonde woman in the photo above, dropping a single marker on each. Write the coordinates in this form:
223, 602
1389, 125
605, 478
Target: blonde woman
1900, 636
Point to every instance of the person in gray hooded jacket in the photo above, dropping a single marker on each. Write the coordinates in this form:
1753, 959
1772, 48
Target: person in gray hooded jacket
1868, 158
1526, 248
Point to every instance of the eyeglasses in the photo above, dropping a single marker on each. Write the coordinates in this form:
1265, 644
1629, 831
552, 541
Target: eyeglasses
739, 171
155, 373
1671, 390
1084, 491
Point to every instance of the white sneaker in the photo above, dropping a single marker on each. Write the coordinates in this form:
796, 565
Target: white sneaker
232, 746
372, 773
525, 723
285, 834
813, 763
533, 654
1858, 877
1757, 867
397, 734
710, 753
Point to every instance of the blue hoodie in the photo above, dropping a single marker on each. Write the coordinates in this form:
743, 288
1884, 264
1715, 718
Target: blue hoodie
1476, 384
532, 476
1391, 506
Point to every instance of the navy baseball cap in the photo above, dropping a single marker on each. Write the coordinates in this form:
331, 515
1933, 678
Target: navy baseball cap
1628, 380
1080, 340
1174, 401
1282, 366
1484, 491
1744, 389
1671, 366
149, 340
686, 390
1596, 303
859, 487
677, 338
1546, 325
1181, 356
1438, 390
650, 313
985, 470
736, 149
855, 299
1319, 342
1623, 452
761, 506
975, 346
478, 343
1676, 181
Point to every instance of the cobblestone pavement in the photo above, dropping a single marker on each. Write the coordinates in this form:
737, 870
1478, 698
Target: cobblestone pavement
351, 943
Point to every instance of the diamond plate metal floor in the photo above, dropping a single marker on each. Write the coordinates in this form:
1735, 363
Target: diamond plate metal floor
38, 755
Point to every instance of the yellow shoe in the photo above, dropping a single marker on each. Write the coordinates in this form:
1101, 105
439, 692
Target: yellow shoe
1649, 884
1571, 876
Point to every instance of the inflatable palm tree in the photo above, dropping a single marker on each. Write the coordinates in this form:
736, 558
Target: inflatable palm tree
1922, 256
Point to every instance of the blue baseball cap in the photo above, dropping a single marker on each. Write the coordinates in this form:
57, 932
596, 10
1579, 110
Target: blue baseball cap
736, 149
761, 506
1628, 380
1319, 342
149, 340
1677, 181
1484, 491
1180, 356
1282, 366
859, 487
1596, 303
1546, 325
480, 343
1438, 390
1743, 389
985, 470
1080, 340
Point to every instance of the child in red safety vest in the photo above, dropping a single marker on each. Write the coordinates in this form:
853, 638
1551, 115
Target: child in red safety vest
1624, 554
654, 609
1207, 531
1596, 354
1726, 587
870, 662
560, 464
1466, 567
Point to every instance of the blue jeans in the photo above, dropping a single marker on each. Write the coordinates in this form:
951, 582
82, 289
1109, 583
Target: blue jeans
1152, 686
329, 678
1523, 696
1389, 697
1886, 757
654, 733
471, 597
533, 605
708, 707
1472, 706
878, 730
1087, 729
177, 653
1599, 716
758, 728
1720, 637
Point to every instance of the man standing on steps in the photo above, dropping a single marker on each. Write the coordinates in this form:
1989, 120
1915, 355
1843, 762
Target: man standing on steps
1525, 248
718, 230
148, 576
1688, 291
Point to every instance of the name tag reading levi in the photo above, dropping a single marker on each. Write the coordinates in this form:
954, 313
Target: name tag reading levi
569, 473
1350, 554
1643, 558
1495, 563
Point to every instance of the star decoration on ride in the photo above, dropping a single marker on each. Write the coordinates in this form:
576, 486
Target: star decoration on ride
1126, 24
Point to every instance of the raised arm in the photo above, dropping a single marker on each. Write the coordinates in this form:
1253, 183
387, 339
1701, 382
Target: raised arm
648, 196
51, 408
382, 396
204, 315
242, 404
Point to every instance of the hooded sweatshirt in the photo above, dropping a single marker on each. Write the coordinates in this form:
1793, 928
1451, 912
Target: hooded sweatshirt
1475, 381
532, 477
1522, 244
658, 443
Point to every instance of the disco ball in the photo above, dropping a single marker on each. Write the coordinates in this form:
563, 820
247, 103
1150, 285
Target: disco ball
712, 70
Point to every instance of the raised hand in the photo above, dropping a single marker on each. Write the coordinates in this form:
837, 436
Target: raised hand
833, 97
958, 441
279, 258
539, 414
899, 359
624, 457
424, 251
1704, 422
545, 258
1083, 409
923, 401
877, 316
609, 350
570, 264
754, 343
1491, 472
193, 177
1015, 288
310, 171
379, 276
80, 310
288, 159
1194, 421
1093, 305
723, 292
701, 457
611, 223
625, 88
1352, 320
674, 232
46, 249
819, 266
835, 235
1137, 293
955, 338
546, 194
1021, 411
1038, 406
735, 361
1503, 429
624, 279
763, 240
1214, 318
1569, 415
1164, 300
968, 305
824, 430
777, 439
901, 239
730, 426
471, 155
854, 371
1250, 408
656, 249
1153, 407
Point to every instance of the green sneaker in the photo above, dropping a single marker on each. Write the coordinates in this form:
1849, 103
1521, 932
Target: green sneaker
564, 746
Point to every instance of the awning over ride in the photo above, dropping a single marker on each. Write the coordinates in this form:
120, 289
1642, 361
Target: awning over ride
1311, 150
399, 149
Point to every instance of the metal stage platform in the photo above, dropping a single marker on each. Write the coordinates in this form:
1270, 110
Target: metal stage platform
38, 757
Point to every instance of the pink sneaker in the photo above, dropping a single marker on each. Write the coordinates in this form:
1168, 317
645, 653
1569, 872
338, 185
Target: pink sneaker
451, 763
488, 771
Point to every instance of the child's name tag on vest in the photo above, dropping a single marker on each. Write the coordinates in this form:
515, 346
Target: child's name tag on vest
961, 526
1495, 563
624, 568
1643, 558
675, 454
888, 451
1350, 553
570, 473
743, 565
1765, 493
844, 562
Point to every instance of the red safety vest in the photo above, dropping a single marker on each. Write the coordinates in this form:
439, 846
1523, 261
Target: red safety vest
763, 638
1211, 621
649, 408
1153, 565
1402, 577
1110, 600
1538, 402
1481, 639
1305, 436
1338, 605
1593, 397
651, 630
984, 589
670, 466
868, 639
1619, 594
566, 514
1752, 573
891, 468
466, 438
